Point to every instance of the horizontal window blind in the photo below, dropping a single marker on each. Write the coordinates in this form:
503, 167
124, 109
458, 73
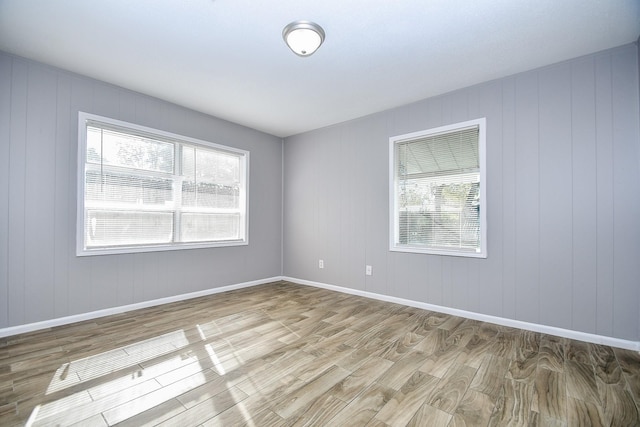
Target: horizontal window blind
440, 154
155, 191
437, 190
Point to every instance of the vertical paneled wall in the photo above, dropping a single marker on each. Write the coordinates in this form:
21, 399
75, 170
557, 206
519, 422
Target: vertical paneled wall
563, 188
40, 276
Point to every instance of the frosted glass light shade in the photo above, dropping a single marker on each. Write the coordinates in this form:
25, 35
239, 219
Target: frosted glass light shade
303, 37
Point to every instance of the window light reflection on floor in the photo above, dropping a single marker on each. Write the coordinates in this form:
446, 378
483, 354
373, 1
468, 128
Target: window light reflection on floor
126, 381
95, 366
212, 354
129, 359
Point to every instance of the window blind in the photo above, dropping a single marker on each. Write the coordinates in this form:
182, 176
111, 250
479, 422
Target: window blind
144, 190
438, 190
440, 154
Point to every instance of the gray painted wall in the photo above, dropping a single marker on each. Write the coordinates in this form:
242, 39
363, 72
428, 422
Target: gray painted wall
40, 276
563, 178
563, 200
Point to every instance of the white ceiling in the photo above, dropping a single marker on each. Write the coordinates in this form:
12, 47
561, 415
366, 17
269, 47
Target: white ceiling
227, 57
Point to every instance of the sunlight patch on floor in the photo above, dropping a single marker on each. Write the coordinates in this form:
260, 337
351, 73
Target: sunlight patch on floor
114, 360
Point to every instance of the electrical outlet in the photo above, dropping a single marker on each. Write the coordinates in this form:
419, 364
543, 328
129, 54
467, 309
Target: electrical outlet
368, 270
320, 263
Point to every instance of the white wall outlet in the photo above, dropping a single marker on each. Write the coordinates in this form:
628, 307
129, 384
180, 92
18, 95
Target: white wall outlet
320, 263
368, 270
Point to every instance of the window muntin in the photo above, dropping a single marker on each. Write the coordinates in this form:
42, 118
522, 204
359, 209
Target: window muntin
437, 196
143, 190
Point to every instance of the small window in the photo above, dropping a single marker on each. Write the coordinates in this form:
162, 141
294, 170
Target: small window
143, 190
438, 191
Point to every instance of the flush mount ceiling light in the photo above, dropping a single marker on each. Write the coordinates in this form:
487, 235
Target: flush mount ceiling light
303, 37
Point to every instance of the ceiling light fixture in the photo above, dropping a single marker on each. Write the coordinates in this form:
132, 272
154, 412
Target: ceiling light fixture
303, 37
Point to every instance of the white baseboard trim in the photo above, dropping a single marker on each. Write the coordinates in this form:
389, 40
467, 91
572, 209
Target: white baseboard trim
566, 333
551, 330
31, 327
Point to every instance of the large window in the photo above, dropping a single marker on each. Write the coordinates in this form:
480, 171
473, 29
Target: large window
142, 190
438, 191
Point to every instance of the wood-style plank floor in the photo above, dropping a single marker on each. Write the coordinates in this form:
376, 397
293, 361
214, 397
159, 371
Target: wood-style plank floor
282, 354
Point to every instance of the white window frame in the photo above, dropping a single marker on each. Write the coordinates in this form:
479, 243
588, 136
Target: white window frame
84, 119
394, 223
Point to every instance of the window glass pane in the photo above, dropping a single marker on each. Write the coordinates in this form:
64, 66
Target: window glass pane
126, 188
94, 145
211, 179
189, 174
198, 227
206, 195
217, 167
440, 213
118, 228
442, 153
119, 149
